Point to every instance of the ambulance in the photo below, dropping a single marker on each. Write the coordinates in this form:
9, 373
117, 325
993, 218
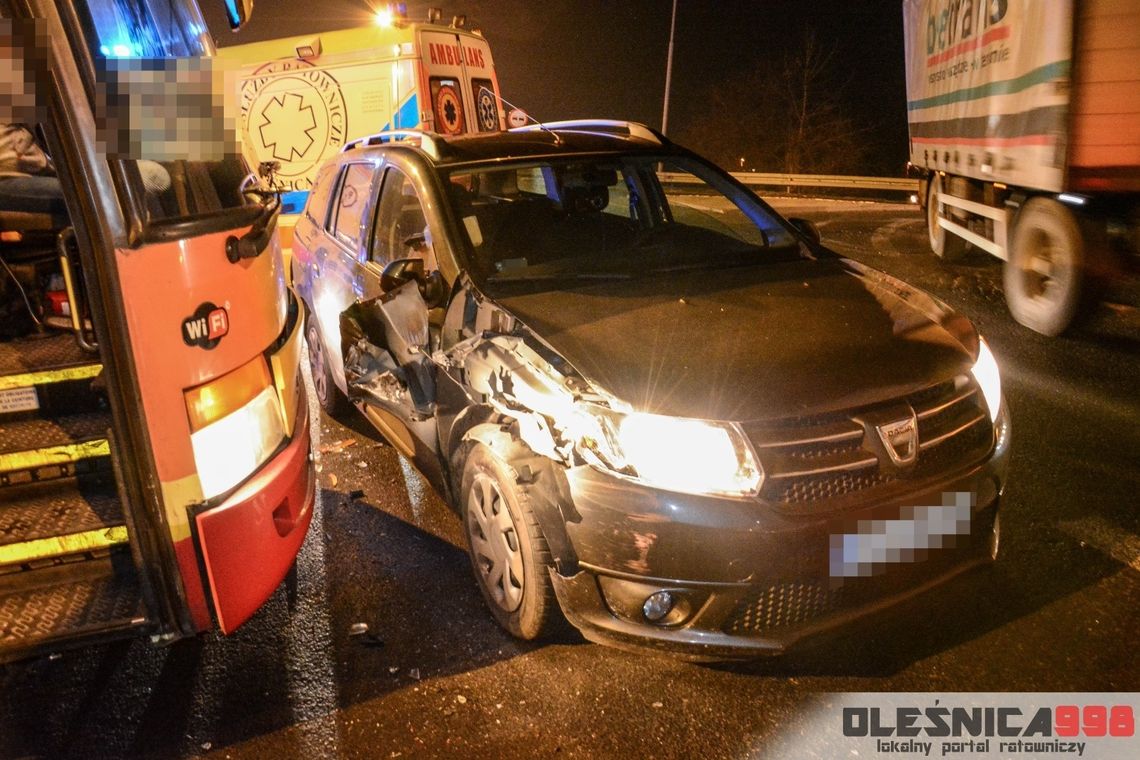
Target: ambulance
300, 99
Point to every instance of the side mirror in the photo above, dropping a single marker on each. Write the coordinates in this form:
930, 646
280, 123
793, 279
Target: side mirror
238, 12
401, 271
433, 288
807, 228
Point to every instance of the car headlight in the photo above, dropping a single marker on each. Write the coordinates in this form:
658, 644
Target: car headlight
985, 371
235, 425
676, 454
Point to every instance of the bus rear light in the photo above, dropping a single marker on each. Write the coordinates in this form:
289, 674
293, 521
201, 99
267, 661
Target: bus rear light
235, 424
229, 450
211, 401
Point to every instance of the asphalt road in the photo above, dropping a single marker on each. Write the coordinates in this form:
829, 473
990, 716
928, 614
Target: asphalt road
434, 676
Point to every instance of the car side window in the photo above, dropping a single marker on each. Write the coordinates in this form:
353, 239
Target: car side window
401, 229
317, 208
352, 203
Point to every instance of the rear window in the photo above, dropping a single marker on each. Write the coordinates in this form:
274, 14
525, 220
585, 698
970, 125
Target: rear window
486, 105
447, 104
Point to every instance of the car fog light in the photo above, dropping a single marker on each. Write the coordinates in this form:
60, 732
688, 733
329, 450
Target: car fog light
657, 606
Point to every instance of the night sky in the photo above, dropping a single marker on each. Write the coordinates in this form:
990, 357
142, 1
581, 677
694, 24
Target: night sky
563, 60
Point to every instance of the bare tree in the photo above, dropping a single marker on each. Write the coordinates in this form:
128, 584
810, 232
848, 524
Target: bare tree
787, 115
821, 136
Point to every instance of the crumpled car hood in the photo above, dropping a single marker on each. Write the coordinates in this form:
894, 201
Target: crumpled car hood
752, 343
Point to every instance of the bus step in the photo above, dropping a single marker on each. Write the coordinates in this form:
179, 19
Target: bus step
35, 450
40, 523
63, 606
43, 359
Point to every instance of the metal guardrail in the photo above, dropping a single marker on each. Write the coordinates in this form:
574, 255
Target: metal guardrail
762, 179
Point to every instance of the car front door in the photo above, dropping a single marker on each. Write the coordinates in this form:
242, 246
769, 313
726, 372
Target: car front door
388, 367
339, 279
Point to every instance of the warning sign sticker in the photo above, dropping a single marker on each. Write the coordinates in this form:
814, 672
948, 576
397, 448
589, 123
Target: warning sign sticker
18, 400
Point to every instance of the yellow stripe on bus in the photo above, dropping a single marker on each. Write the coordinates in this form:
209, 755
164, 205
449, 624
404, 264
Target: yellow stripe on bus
62, 454
56, 546
43, 377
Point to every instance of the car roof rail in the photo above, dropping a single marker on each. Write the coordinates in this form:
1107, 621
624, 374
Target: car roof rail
429, 141
600, 126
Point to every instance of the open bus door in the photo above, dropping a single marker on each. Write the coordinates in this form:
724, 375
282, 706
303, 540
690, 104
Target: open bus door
155, 467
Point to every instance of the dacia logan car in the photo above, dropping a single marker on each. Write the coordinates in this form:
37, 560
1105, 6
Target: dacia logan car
661, 410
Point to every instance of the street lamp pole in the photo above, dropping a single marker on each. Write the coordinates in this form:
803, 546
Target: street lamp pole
669, 70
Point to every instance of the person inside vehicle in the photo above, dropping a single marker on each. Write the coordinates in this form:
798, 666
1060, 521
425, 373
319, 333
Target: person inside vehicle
27, 175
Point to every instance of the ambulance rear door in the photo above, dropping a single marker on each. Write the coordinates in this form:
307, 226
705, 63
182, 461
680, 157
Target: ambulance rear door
459, 84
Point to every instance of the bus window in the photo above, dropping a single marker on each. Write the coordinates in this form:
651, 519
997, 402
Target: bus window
148, 29
162, 113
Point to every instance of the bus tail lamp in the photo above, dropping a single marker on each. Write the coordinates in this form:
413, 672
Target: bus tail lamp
235, 425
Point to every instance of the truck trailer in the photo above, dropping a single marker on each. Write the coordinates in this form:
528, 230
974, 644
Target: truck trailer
1024, 120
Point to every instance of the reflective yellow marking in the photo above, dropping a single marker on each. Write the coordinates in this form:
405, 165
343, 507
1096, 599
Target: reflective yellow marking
70, 452
177, 495
43, 377
56, 546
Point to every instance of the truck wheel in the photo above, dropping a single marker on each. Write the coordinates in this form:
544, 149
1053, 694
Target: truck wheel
329, 396
508, 551
945, 244
1044, 276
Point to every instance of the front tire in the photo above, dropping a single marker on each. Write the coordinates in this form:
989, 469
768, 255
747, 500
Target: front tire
945, 244
331, 400
508, 552
1044, 277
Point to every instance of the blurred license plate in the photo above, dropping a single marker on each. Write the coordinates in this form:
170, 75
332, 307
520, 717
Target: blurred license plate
18, 400
880, 543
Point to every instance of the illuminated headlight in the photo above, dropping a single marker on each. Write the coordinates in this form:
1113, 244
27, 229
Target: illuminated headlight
235, 424
985, 371
686, 455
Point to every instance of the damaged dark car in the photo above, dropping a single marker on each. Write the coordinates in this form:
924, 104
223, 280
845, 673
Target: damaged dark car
663, 412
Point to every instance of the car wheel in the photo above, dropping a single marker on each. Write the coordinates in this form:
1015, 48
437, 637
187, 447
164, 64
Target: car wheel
508, 552
331, 400
1044, 275
945, 244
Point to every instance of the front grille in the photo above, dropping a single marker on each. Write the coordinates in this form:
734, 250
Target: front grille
781, 605
828, 460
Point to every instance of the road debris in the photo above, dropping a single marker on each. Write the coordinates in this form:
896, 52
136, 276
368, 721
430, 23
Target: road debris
337, 446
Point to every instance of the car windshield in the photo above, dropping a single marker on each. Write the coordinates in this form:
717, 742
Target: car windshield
619, 217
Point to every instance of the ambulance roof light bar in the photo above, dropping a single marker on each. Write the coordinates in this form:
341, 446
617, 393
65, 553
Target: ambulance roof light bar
600, 126
428, 141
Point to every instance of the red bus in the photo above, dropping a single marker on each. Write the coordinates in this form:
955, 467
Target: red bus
155, 468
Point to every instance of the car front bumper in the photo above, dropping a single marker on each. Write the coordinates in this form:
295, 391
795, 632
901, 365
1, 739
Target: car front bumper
748, 578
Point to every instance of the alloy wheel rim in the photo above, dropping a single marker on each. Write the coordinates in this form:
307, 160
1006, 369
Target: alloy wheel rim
317, 362
495, 543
